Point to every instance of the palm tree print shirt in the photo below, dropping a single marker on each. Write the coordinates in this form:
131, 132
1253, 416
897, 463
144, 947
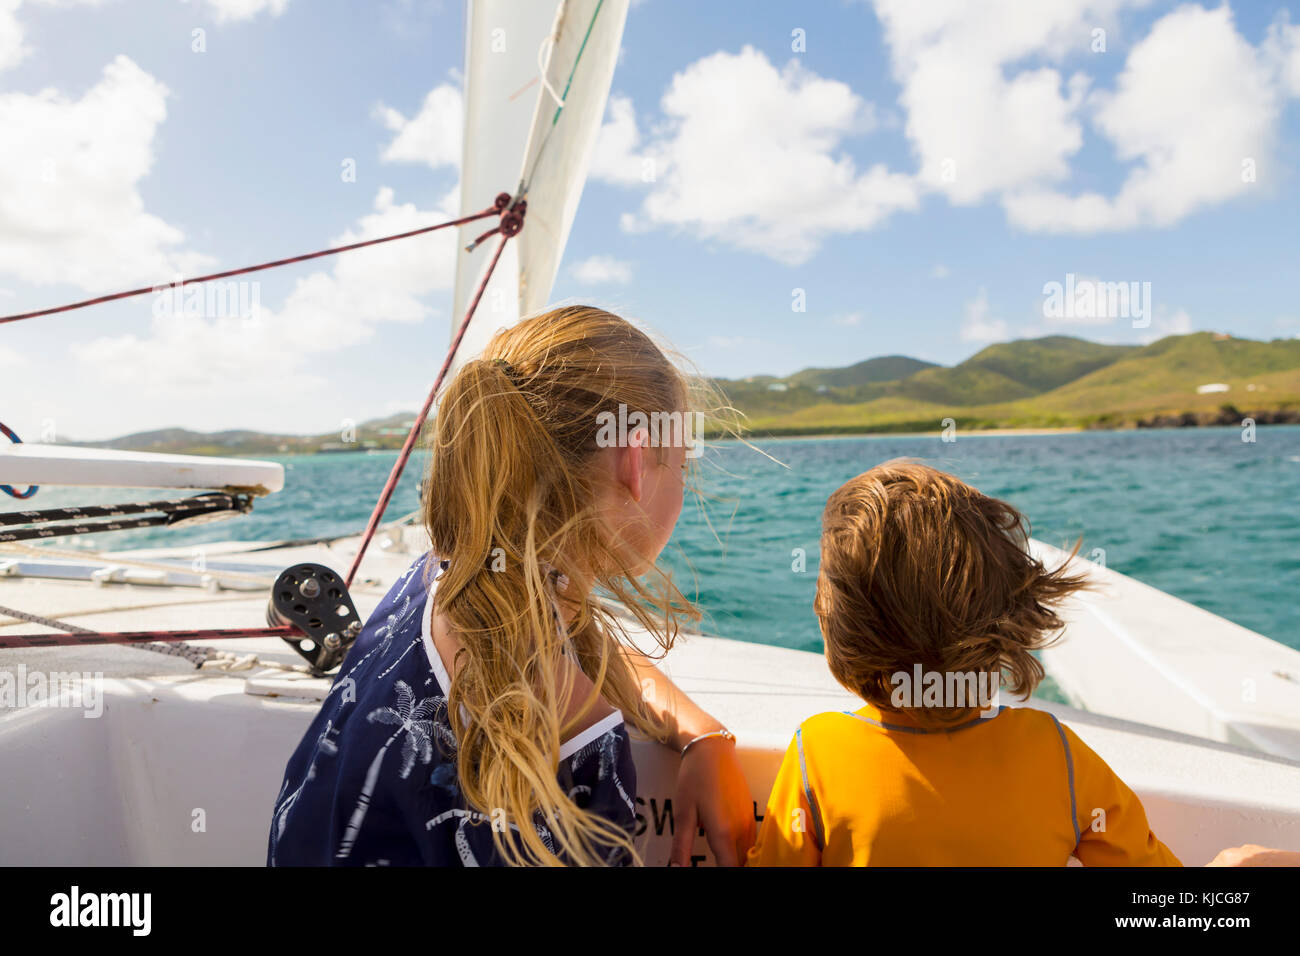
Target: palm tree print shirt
373, 782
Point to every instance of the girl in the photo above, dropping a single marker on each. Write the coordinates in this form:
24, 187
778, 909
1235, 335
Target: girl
482, 715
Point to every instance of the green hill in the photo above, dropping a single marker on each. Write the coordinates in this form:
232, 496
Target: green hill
962, 385
1047, 363
1010, 371
1057, 382
887, 368
1163, 377
1000, 373
375, 434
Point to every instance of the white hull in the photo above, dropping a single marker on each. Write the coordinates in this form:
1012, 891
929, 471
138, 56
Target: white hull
127, 788
1136, 652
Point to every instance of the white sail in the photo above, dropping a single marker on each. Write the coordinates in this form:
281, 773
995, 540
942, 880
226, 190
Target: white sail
516, 130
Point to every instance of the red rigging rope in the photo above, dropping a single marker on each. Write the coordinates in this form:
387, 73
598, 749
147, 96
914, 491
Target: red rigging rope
139, 637
409, 445
512, 221
492, 211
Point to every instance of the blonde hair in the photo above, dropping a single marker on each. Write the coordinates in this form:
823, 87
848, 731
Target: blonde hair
511, 504
918, 567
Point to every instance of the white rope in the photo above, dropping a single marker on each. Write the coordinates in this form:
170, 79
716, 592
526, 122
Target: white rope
544, 65
227, 661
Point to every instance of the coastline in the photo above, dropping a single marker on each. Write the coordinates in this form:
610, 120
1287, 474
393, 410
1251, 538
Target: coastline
760, 435
1225, 417
906, 429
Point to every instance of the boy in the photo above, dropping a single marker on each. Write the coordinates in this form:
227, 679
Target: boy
927, 599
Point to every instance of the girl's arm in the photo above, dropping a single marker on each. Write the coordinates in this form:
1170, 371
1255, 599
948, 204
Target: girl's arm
711, 789
682, 717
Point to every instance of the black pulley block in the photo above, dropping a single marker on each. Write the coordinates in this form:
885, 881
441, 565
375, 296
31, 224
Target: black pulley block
315, 600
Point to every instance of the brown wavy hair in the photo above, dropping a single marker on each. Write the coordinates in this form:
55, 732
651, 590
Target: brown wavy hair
512, 502
918, 567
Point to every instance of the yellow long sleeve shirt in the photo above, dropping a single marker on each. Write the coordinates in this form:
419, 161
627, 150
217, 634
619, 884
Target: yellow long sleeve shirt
1015, 789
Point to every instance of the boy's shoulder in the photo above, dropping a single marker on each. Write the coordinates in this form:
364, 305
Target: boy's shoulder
1036, 729
827, 723
1031, 717
1026, 719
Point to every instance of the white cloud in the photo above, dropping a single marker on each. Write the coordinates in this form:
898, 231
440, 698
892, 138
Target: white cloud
76, 165
940, 271
850, 320
1166, 323
433, 136
70, 206
8, 357
600, 269
190, 356
1194, 102
978, 324
617, 157
12, 50
980, 118
751, 156
1282, 48
992, 113
235, 10
997, 101
1180, 323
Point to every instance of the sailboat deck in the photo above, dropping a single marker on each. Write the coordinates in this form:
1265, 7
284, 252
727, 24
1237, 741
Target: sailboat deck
174, 737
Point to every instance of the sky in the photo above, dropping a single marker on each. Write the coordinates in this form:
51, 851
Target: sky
775, 186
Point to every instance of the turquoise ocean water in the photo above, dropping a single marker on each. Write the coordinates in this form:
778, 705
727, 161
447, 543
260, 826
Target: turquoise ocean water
1195, 512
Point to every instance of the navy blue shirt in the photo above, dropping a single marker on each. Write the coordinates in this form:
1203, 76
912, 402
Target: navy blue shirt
373, 782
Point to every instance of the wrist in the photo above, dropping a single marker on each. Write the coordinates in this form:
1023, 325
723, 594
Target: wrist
683, 735
721, 734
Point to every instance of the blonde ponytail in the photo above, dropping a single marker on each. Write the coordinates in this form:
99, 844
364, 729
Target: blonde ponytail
510, 504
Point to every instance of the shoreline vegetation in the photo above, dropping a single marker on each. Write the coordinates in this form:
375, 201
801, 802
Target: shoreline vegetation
1228, 416
1053, 385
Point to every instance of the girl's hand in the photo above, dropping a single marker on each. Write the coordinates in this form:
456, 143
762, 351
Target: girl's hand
712, 793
